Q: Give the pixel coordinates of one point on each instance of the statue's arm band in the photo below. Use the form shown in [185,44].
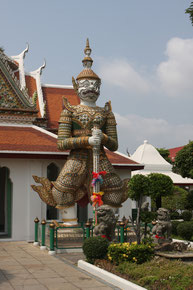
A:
[110,138]
[65,140]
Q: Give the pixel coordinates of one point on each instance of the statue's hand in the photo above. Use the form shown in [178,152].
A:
[94,140]
[97,132]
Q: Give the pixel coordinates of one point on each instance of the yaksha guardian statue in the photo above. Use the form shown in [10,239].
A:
[75,132]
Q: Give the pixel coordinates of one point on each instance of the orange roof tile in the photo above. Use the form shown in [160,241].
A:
[118,158]
[173,152]
[54,103]
[31,85]
[26,139]
[30,139]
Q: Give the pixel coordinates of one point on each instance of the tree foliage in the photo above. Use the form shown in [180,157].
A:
[190,12]
[165,154]
[184,160]
[178,200]
[138,188]
[159,185]
[189,204]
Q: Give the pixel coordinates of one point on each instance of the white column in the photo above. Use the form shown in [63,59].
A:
[69,216]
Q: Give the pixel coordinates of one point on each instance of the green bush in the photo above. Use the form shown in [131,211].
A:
[174,215]
[133,252]
[174,227]
[185,230]
[187,215]
[95,248]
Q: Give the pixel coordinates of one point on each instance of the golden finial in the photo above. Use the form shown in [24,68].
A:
[87,72]
[87,49]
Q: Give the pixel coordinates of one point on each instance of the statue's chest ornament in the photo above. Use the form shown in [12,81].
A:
[90,118]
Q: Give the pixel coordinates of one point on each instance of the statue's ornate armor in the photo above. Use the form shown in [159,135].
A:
[74,181]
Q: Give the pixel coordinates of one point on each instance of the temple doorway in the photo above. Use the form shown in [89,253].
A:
[52,174]
[6,203]
[82,214]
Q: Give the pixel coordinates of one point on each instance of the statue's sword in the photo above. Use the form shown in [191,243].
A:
[96,154]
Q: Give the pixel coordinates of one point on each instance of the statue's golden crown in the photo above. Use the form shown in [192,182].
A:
[87,72]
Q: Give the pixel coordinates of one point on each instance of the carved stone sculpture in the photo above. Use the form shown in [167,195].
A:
[163,227]
[106,222]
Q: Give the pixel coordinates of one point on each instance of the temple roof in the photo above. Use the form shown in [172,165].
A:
[54,102]
[174,151]
[29,139]
[12,98]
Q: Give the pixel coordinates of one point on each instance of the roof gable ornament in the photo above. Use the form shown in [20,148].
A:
[20,59]
[36,74]
[9,79]
[14,102]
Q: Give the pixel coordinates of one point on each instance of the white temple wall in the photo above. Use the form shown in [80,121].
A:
[126,209]
[26,204]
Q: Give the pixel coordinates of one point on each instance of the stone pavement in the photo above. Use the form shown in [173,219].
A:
[24,266]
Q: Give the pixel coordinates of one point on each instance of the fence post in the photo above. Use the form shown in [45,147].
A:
[43,223]
[87,225]
[51,251]
[122,231]
[36,242]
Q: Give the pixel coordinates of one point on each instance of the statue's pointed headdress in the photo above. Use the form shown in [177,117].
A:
[87,72]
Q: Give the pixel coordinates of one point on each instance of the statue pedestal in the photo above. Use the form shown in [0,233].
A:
[69,216]
[161,241]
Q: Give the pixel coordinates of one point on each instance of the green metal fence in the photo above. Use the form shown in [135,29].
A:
[56,236]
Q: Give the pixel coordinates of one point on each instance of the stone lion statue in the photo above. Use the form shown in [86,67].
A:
[163,227]
[106,222]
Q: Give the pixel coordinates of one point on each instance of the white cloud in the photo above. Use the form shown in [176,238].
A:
[175,74]
[173,77]
[134,129]
[122,74]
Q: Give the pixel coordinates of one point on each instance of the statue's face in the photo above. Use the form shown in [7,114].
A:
[89,90]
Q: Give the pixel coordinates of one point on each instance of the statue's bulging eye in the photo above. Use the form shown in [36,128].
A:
[85,84]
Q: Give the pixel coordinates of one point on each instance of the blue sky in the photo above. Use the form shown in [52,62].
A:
[142,50]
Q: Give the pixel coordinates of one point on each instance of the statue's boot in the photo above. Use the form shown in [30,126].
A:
[58,196]
[114,197]
[45,195]
[125,190]
[44,190]
[43,180]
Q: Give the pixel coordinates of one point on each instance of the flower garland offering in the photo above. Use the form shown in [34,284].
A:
[96,198]
[97,177]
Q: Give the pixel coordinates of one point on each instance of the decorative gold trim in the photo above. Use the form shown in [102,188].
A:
[69,220]
[74,84]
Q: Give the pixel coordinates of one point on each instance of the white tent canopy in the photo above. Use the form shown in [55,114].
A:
[153,162]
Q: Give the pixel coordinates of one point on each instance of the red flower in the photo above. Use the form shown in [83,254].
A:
[158,237]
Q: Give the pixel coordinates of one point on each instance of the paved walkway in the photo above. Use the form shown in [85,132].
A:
[24,266]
